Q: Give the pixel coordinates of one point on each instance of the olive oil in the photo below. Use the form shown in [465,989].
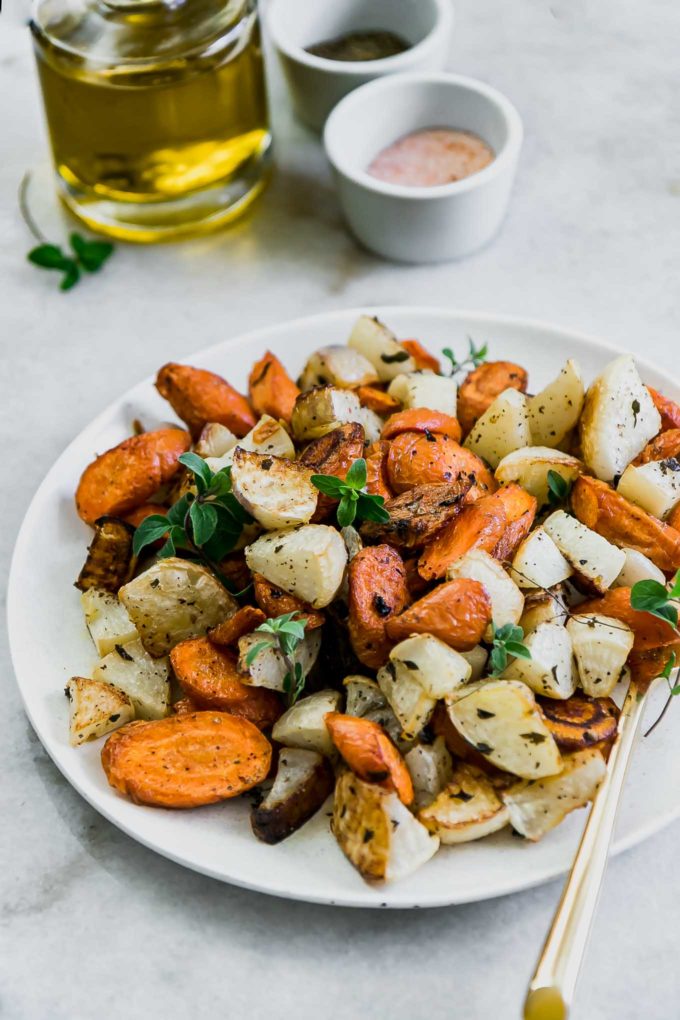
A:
[157,114]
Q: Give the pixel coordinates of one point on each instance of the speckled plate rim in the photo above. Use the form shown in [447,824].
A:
[338,883]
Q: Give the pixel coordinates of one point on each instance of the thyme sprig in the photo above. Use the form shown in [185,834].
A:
[476,356]
[283,633]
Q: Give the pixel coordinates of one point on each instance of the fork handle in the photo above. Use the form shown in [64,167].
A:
[552,987]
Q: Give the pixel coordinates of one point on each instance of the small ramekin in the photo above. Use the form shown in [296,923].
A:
[317,84]
[422,224]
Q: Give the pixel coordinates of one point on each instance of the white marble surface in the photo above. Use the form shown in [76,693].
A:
[95,925]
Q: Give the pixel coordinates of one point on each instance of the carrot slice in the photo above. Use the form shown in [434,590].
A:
[377,590]
[456,612]
[611,515]
[370,753]
[421,355]
[580,721]
[186,760]
[416,458]
[210,677]
[520,511]
[333,454]
[377,481]
[126,476]
[646,666]
[243,621]
[650,632]
[199,397]
[274,601]
[663,447]
[377,400]
[483,384]
[667,408]
[421,419]
[480,525]
[271,389]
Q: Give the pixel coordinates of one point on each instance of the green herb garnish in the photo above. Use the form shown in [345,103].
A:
[654,598]
[284,633]
[355,503]
[207,525]
[508,642]
[476,355]
[558,488]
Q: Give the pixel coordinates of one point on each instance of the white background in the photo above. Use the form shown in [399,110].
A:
[95,924]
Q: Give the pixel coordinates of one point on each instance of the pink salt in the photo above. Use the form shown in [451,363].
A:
[431,157]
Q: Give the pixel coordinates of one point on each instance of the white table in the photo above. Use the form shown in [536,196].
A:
[99,926]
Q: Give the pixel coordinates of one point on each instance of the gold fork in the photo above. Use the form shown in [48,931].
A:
[552,987]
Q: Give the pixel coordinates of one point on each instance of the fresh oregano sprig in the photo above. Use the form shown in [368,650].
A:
[206,525]
[86,255]
[656,599]
[507,643]
[476,356]
[284,633]
[559,488]
[354,502]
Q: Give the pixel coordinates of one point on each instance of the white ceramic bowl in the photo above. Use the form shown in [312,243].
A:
[317,84]
[425,224]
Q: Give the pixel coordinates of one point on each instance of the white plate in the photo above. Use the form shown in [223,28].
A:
[49,643]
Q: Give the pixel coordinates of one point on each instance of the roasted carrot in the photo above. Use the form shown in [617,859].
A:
[210,677]
[186,760]
[457,612]
[480,525]
[650,632]
[662,447]
[421,355]
[482,385]
[140,513]
[420,419]
[377,482]
[667,408]
[646,666]
[274,601]
[199,397]
[520,511]
[611,515]
[370,753]
[377,400]
[416,458]
[417,515]
[184,706]
[243,621]
[333,454]
[126,476]
[580,721]
[271,389]
[377,590]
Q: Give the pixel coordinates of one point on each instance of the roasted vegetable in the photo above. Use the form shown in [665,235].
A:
[429,458]
[377,480]
[601,647]
[502,428]
[530,467]
[619,521]
[199,397]
[173,600]
[186,760]
[129,474]
[501,720]
[668,410]
[333,454]
[618,420]
[467,808]
[304,779]
[482,385]
[544,607]
[95,709]
[420,671]
[365,700]
[241,622]
[664,446]
[146,681]
[507,601]
[110,560]
[304,724]
[323,409]
[274,601]
[377,833]
[555,411]
[536,808]
[270,388]
[431,769]
[107,620]
[417,515]
[520,511]
[277,492]
[337,365]
[654,486]
[370,753]
[425,389]
[538,563]
[456,612]
[591,556]
[377,593]
[428,421]
[380,346]
[649,631]
[421,355]
[550,670]
[269,668]
[307,562]
[580,721]
[211,678]
[377,400]
[638,567]
[215,440]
